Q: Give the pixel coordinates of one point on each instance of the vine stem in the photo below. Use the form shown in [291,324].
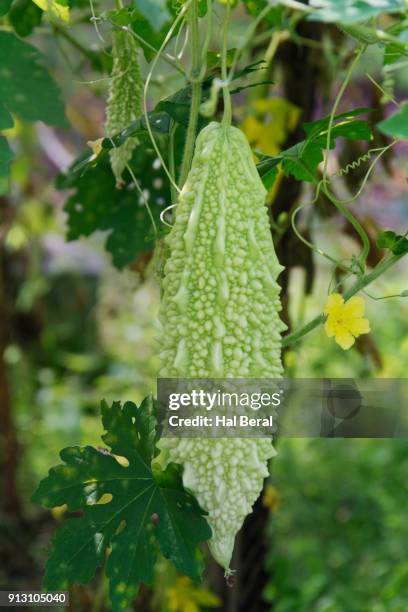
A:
[144,42]
[353,221]
[227,117]
[344,211]
[384,93]
[172,163]
[146,88]
[196,87]
[246,38]
[276,39]
[362,282]
[94,19]
[309,244]
[336,105]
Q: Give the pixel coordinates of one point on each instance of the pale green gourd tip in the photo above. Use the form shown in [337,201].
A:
[220,318]
[125,98]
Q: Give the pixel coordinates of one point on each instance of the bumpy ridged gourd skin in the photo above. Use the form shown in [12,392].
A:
[125,97]
[220,318]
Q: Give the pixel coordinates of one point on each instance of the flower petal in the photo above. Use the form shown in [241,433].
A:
[358,326]
[344,338]
[331,326]
[354,307]
[334,303]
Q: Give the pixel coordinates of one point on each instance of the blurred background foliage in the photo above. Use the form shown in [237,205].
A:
[337,536]
[74,329]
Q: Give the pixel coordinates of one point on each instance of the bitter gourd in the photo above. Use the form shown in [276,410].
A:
[125,97]
[219,314]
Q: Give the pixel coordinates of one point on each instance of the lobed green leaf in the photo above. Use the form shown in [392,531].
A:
[128,509]
[97,204]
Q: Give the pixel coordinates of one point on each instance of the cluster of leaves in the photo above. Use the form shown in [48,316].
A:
[96,204]
[302,160]
[128,505]
[175,109]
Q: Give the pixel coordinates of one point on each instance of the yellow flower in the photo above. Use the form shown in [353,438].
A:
[345,320]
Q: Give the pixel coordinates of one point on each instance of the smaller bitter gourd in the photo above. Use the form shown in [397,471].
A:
[220,318]
[125,97]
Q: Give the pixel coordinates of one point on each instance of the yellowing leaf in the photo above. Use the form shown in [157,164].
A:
[59,512]
[15,131]
[54,8]
[267,127]
[269,123]
[183,596]
[271,498]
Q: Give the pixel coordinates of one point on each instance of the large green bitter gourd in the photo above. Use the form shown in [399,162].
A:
[220,319]
[125,97]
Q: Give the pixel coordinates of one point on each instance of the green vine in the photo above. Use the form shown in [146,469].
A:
[175,24]
[195,78]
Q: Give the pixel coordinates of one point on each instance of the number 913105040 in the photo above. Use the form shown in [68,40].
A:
[33,598]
